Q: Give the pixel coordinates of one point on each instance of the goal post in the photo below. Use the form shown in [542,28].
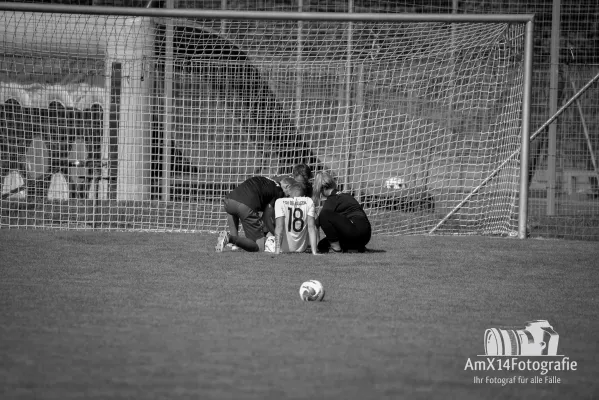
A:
[187,107]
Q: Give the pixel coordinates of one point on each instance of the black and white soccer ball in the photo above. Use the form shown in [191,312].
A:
[311,290]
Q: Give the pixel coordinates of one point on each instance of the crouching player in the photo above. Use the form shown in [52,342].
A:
[295,222]
[251,203]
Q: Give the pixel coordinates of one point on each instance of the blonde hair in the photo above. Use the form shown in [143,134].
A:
[323,181]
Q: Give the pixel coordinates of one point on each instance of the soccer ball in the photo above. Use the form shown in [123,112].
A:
[312,291]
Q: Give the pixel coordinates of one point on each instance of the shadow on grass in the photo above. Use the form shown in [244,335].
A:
[375,251]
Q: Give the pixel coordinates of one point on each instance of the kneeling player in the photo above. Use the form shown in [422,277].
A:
[250,203]
[295,222]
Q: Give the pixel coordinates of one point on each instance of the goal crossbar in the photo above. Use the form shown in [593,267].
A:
[259,15]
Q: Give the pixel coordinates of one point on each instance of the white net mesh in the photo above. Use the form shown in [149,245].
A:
[146,123]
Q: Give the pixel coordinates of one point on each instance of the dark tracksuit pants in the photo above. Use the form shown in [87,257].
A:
[351,233]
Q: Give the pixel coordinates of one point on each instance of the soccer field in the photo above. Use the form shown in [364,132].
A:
[115,315]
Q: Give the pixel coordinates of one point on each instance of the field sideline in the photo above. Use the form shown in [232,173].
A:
[115,315]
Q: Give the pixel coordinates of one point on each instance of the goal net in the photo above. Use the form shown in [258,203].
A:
[147,122]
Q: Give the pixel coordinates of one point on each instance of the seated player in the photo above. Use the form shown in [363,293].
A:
[250,203]
[295,223]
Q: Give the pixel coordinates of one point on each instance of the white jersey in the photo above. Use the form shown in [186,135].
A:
[296,211]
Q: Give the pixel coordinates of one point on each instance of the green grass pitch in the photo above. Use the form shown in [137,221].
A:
[119,315]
